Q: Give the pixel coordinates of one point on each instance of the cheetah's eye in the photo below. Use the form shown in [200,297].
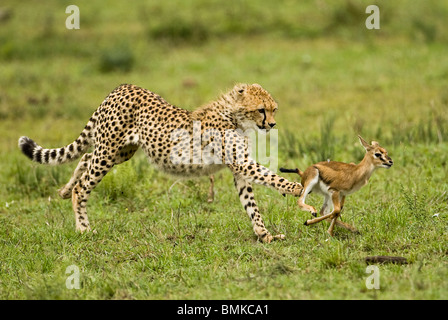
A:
[261,110]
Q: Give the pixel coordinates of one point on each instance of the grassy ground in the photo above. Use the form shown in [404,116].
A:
[160,239]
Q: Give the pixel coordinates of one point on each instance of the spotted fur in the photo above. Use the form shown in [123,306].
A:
[131,117]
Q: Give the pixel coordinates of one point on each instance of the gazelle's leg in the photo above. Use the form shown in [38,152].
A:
[346,226]
[343,224]
[325,206]
[308,186]
[319,219]
[332,224]
[336,198]
[211,191]
[335,219]
[342,202]
[331,215]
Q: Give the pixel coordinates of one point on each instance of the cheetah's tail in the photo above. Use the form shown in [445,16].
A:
[59,155]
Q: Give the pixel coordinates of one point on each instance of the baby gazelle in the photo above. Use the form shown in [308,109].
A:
[335,180]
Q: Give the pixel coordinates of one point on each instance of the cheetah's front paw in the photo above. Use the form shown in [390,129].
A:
[279,237]
[298,190]
[269,238]
[64,193]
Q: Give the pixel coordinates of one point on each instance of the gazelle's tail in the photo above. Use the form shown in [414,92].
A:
[300,173]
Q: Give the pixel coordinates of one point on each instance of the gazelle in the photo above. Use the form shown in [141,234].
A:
[335,180]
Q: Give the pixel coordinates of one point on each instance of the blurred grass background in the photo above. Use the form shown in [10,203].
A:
[333,79]
[316,57]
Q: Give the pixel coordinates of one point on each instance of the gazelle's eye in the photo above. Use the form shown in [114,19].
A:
[378,155]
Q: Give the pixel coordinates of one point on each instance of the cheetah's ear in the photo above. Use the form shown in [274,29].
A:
[240,88]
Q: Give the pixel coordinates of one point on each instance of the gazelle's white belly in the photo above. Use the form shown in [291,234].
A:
[322,188]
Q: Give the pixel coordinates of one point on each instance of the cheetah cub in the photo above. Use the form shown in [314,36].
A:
[335,180]
[177,141]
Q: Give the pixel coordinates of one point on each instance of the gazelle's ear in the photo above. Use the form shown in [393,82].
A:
[375,144]
[364,143]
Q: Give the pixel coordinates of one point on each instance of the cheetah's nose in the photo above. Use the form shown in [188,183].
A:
[272,124]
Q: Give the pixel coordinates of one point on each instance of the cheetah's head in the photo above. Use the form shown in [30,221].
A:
[255,108]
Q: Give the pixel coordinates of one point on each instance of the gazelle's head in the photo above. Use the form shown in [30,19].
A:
[376,154]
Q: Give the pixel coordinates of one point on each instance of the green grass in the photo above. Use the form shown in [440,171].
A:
[158,238]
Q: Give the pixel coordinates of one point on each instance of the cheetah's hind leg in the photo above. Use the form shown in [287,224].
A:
[66,191]
[124,155]
[97,167]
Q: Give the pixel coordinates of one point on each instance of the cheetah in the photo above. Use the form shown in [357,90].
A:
[131,117]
